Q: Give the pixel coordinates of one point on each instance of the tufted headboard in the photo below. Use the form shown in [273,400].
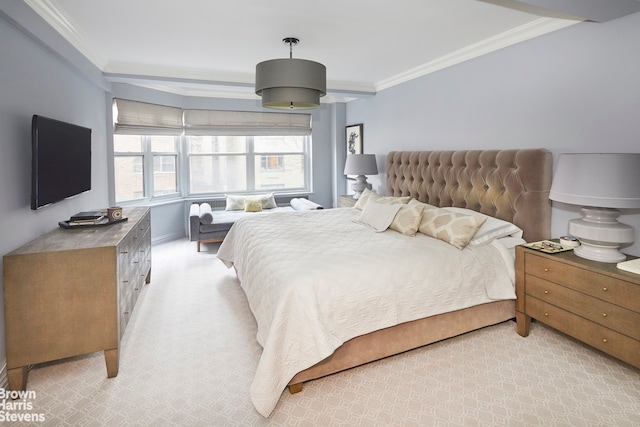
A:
[512,185]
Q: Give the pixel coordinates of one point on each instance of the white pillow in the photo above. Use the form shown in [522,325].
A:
[206,217]
[368,195]
[378,216]
[234,202]
[493,228]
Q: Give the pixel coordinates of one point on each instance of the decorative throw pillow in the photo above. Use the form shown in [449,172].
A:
[407,220]
[206,217]
[454,228]
[493,228]
[252,206]
[372,195]
[268,200]
[234,202]
[364,197]
[378,216]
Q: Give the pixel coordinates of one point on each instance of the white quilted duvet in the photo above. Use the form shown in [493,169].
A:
[315,279]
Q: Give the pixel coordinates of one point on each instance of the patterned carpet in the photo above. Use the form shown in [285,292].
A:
[189,354]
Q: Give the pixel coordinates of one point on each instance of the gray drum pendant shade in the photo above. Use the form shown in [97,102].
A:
[291,84]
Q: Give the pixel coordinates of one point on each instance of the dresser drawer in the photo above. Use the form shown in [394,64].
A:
[604,287]
[604,339]
[606,314]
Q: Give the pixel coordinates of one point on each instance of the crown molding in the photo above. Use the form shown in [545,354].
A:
[50,12]
[516,35]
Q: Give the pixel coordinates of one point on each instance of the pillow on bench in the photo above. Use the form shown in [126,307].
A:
[206,216]
[238,202]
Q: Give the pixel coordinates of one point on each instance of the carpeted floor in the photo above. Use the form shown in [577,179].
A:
[189,354]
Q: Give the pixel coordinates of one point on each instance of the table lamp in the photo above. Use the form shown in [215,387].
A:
[360,165]
[602,183]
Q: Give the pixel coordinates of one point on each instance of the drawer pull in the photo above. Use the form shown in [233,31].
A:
[546,270]
[546,314]
[604,340]
[546,292]
[604,289]
[604,314]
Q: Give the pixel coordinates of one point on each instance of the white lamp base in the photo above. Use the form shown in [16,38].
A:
[359,186]
[599,253]
[600,234]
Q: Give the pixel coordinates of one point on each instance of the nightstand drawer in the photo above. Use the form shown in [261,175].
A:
[609,315]
[611,342]
[604,287]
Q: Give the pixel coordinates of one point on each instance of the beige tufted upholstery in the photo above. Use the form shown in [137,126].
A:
[508,184]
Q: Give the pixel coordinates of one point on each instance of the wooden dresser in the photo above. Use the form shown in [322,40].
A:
[594,302]
[71,292]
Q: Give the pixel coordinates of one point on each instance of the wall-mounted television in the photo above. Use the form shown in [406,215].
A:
[60,161]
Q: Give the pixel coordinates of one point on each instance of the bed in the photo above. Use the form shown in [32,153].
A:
[298,269]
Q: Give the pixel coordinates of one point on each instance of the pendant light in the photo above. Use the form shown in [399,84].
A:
[291,84]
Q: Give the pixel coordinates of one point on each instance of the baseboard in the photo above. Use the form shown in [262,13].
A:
[167,238]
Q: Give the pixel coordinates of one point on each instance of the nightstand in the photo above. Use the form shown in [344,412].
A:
[346,201]
[594,302]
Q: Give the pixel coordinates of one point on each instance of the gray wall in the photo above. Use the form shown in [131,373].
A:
[34,80]
[575,90]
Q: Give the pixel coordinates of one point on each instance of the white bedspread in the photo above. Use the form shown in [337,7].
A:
[315,279]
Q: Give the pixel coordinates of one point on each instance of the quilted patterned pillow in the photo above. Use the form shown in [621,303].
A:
[407,220]
[454,228]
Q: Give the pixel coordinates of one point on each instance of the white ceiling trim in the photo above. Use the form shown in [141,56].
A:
[516,35]
[50,12]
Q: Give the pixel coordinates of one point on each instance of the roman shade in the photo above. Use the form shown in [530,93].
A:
[245,123]
[141,118]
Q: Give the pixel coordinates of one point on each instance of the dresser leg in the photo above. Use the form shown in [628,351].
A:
[523,323]
[111,357]
[17,378]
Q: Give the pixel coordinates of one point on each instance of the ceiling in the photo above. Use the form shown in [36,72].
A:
[210,48]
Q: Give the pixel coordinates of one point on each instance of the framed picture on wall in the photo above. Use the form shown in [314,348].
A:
[354,139]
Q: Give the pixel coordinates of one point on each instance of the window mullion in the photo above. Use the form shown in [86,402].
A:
[251,169]
[148,170]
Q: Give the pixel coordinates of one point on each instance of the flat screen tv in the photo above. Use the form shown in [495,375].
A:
[61,161]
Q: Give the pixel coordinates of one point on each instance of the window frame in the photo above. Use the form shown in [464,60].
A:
[250,159]
[148,172]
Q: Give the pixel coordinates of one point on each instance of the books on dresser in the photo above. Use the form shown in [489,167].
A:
[632,266]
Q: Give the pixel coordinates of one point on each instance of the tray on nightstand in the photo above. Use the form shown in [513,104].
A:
[547,246]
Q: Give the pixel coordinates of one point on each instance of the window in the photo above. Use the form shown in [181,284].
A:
[135,154]
[162,151]
[221,164]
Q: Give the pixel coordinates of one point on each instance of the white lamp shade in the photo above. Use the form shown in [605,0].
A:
[602,184]
[602,180]
[361,164]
